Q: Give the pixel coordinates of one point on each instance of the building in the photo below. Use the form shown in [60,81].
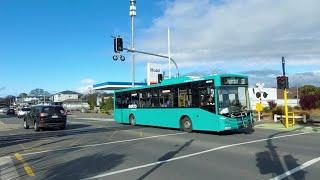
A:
[65,95]
[75,105]
[31,100]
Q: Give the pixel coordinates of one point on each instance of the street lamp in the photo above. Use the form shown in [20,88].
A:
[132,13]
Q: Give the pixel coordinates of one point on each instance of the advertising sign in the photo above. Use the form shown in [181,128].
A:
[152,73]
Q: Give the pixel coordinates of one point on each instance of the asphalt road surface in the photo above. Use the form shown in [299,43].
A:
[98,148]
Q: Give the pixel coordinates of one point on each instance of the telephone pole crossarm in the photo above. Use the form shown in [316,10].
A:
[153,54]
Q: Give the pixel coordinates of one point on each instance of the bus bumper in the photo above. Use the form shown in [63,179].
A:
[239,123]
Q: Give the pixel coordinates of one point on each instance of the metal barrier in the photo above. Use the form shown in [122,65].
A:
[293,117]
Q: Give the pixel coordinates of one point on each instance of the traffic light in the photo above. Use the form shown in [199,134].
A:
[118,44]
[160,78]
[282,82]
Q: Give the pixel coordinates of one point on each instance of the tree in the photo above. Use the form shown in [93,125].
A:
[308,90]
[92,100]
[39,92]
[309,97]
[107,104]
[309,101]
[8,100]
[23,95]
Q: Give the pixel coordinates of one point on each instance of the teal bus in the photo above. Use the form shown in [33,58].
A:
[208,103]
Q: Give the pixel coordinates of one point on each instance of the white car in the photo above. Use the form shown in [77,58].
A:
[4,110]
[22,112]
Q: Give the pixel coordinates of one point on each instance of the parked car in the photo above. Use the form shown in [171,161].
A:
[4,110]
[45,116]
[10,112]
[22,112]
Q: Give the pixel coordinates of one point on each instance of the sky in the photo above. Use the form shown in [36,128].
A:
[66,44]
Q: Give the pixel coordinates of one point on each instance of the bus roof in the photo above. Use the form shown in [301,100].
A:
[184,79]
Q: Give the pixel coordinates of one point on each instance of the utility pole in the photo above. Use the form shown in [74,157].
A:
[169,52]
[297,94]
[132,14]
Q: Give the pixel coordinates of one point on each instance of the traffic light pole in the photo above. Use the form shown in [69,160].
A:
[132,13]
[153,54]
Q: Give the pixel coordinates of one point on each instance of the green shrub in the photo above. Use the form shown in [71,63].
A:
[266,110]
[280,110]
[272,104]
[297,108]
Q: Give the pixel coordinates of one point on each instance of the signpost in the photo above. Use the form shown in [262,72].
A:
[283,83]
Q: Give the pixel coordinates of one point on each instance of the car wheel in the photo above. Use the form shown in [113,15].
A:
[132,120]
[186,124]
[36,126]
[25,124]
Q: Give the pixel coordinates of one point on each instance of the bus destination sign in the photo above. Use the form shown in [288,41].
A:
[234,81]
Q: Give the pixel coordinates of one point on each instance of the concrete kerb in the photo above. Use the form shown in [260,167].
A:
[298,127]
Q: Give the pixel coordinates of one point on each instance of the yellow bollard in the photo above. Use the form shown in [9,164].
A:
[286,107]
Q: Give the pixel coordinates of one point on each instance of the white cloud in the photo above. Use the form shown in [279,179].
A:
[86,86]
[87,81]
[243,32]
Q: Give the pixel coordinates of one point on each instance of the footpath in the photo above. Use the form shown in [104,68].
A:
[310,127]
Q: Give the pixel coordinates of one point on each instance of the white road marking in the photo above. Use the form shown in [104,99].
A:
[294,170]
[189,155]
[101,144]
[97,119]
[7,169]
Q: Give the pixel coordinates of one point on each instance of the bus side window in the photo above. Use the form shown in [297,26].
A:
[185,95]
[206,99]
[154,98]
[142,99]
[125,100]
[134,98]
[149,99]
[118,100]
[166,97]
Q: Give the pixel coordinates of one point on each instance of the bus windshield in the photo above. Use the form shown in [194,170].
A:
[233,100]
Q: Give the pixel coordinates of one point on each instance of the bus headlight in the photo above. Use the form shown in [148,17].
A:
[224,111]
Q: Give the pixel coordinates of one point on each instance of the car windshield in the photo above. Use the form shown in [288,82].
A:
[233,100]
[25,109]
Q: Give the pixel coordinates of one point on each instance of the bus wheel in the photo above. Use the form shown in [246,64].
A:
[132,120]
[186,124]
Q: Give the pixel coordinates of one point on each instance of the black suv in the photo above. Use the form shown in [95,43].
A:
[44,116]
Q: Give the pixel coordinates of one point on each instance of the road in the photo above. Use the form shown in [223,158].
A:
[98,148]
